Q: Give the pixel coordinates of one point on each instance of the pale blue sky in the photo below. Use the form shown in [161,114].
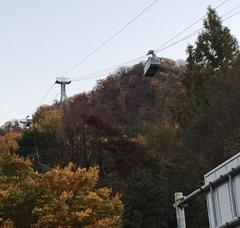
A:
[41,39]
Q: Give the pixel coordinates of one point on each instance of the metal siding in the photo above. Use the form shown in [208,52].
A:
[224,204]
[237,193]
[210,214]
[222,195]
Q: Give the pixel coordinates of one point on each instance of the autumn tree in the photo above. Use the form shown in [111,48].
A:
[10,126]
[69,199]
[18,190]
[129,100]
[84,139]
[44,140]
[93,141]
[174,166]
[9,142]
[65,197]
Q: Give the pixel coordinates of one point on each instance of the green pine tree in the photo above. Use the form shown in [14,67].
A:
[214,53]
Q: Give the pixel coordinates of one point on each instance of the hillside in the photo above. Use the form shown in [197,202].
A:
[129,100]
[129,144]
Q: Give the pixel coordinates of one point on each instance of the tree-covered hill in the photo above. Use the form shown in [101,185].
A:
[149,138]
[131,101]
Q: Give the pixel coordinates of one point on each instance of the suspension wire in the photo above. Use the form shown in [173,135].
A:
[198,30]
[85,77]
[56,95]
[110,38]
[162,47]
[112,68]
[179,41]
[43,98]
[191,25]
[231,10]
[233,15]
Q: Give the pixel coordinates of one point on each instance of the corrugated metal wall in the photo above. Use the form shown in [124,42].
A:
[223,202]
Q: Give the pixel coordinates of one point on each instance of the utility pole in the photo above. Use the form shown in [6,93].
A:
[63,82]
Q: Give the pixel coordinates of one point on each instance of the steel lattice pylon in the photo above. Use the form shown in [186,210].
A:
[63,82]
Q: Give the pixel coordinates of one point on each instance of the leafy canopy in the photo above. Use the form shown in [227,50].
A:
[61,197]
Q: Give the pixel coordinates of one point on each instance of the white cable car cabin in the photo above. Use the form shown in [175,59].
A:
[26,122]
[152,65]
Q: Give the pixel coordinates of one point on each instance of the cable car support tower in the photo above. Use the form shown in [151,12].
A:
[62,81]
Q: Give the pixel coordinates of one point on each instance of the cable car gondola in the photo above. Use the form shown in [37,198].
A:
[26,122]
[152,65]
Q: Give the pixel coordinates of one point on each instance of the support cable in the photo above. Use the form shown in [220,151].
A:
[231,10]
[191,25]
[161,48]
[43,98]
[86,77]
[109,69]
[110,38]
[233,15]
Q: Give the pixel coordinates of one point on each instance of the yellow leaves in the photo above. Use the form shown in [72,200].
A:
[93,198]
[8,142]
[18,184]
[69,196]
[61,197]
[70,178]
[112,222]
[64,196]
[83,216]
[4,194]
[14,168]
[51,121]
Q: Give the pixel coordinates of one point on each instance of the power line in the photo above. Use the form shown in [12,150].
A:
[110,38]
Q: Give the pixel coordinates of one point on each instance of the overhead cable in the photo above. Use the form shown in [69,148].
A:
[231,10]
[233,15]
[161,48]
[44,97]
[191,25]
[112,68]
[110,38]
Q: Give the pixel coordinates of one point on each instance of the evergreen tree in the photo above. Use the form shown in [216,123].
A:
[215,46]
[215,52]
[147,202]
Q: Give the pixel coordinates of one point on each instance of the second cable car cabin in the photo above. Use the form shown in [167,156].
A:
[152,65]
[26,122]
